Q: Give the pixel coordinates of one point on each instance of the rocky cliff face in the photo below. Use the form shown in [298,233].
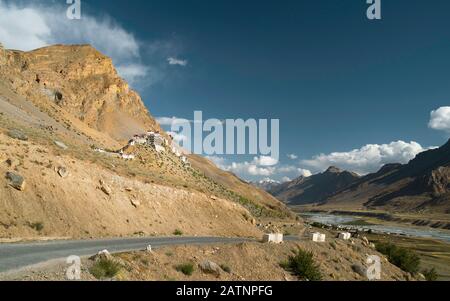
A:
[438,181]
[80,80]
[66,99]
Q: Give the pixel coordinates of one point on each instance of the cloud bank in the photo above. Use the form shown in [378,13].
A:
[368,158]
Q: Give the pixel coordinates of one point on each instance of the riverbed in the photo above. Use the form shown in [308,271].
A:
[342,220]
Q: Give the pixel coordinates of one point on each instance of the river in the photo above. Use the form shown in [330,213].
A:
[342,220]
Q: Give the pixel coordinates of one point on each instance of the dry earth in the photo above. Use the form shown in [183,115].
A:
[246,261]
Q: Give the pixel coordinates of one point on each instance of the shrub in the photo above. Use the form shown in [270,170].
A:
[431,274]
[187,269]
[105,269]
[403,258]
[39,226]
[178,232]
[303,266]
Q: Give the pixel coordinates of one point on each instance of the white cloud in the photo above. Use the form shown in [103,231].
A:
[245,168]
[172,121]
[260,167]
[304,172]
[367,159]
[23,29]
[132,72]
[31,26]
[285,179]
[292,156]
[177,62]
[440,119]
[219,161]
[265,161]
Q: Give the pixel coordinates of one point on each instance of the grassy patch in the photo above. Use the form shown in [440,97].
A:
[431,274]
[302,265]
[186,268]
[105,269]
[404,258]
[39,226]
[178,232]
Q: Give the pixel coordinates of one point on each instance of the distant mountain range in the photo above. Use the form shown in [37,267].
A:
[421,185]
[267,184]
[316,188]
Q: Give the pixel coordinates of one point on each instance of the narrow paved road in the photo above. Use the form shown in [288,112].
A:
[21,255]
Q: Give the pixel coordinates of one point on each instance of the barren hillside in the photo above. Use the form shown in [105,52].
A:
[59,103]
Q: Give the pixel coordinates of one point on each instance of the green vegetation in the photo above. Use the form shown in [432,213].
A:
[178,232]
[186,268]
[431,274]
[39,226]
[404,258]
[105,269]
[432,253]
[317,225]
[302,265]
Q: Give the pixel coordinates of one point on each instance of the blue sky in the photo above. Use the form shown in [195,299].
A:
[342,86]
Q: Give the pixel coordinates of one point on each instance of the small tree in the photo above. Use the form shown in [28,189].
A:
[302,265]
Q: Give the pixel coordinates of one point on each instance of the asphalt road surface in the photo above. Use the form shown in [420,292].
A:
[16,256]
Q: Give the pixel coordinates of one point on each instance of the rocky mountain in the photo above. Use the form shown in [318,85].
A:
[316,188]
[83,82]
[59,105]
[266,184]
[421,185]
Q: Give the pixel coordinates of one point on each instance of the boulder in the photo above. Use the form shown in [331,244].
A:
[13,163]
[16,181]
[365,241]
[105,188]
[210,267]
[63,172]
[135,203]
[102,255]
[359,269]
[61,145]
[421,277]
[17,134]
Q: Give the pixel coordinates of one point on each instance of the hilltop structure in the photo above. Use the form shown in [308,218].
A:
[153,140]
